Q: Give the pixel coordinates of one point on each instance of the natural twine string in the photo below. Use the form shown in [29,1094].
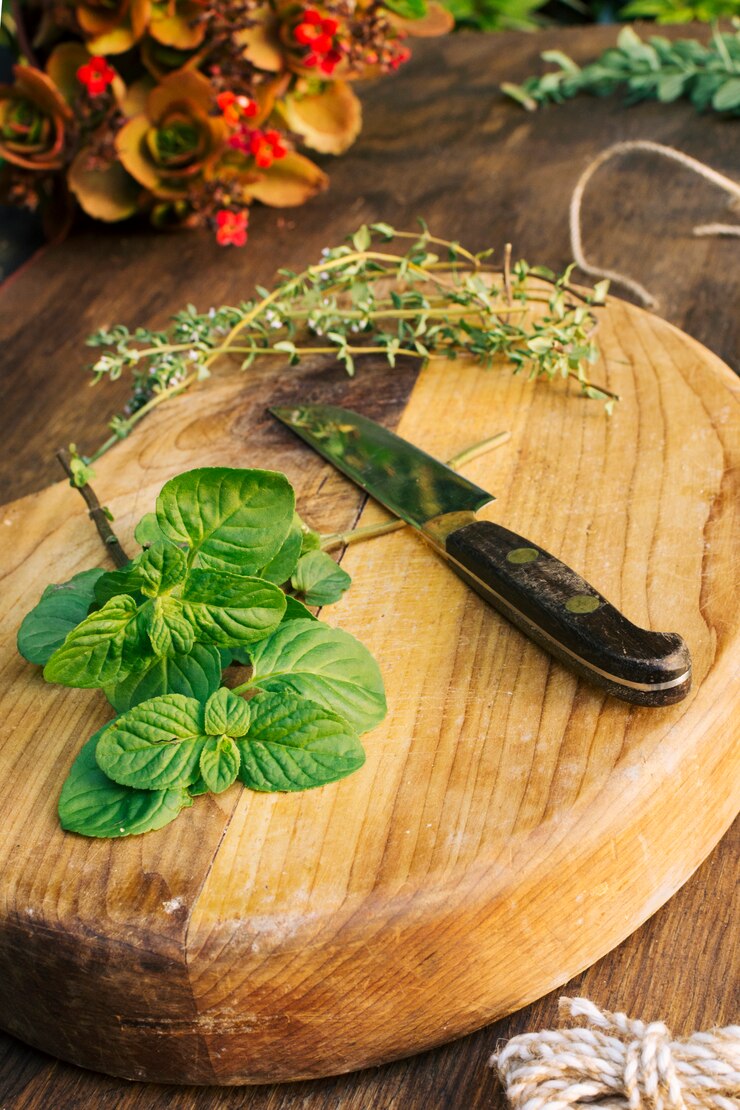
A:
[576,241]
[620,1063]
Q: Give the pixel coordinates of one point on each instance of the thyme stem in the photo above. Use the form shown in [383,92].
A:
[425,237]
[478,449]
[586,384]
[127,425]
[365,301]
[312,271]
[507,273]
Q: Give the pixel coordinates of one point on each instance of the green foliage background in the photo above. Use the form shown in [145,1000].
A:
[528,15]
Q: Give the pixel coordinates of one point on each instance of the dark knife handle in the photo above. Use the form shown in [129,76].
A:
[558,609]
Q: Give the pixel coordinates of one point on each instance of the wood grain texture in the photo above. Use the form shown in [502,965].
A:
[478,167]
[511,823]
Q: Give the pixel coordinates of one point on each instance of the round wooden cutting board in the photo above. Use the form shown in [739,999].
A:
[511,824]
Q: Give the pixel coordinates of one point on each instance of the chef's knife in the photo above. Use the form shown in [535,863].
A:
[543,597]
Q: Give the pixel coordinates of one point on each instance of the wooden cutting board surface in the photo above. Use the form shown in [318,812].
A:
[511,824]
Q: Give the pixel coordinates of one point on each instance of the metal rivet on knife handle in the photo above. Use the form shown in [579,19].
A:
[582,603]
[522,555]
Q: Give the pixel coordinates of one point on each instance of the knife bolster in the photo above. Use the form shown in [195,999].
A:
[440,527]
[567,617]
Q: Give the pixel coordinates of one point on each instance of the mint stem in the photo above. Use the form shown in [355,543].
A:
[96,512]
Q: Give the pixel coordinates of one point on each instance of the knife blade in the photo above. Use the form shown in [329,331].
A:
[552,604]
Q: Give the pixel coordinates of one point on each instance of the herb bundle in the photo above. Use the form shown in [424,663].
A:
[155,636]
[708,76]
[435,299]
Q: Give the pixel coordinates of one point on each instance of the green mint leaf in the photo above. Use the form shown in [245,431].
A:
[226,609]
[279,569]
[197,675]
[239,656]
[101,650]
[200,786]
[311,541]
[295,610]
[60,609]
[92,805]
[294,744]
[155,745]
[319,578]
[232,520]
[161,567]
[226,712]
[113,583]
[325,665]
[147,531]
[155,571]
[166,625]
[219,763]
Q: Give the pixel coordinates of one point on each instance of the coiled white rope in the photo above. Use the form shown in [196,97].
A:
[620,1063]
[576,240]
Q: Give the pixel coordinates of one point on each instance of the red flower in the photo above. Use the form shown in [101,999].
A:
[231,227]
[265,147]
[399,56]
[236,108]
[96,75]
[318,34]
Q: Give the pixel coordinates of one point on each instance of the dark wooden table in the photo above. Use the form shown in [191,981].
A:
[439,141]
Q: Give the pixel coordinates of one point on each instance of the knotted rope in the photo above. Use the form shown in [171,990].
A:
[693,164]
[620,1063]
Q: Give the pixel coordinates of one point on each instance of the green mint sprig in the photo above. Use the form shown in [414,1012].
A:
[156,635]
[656,69]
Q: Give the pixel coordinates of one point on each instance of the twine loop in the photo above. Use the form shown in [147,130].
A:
[620,1063]
[645,146]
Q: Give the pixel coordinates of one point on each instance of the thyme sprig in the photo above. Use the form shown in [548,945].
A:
[656,69]
[435,299]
